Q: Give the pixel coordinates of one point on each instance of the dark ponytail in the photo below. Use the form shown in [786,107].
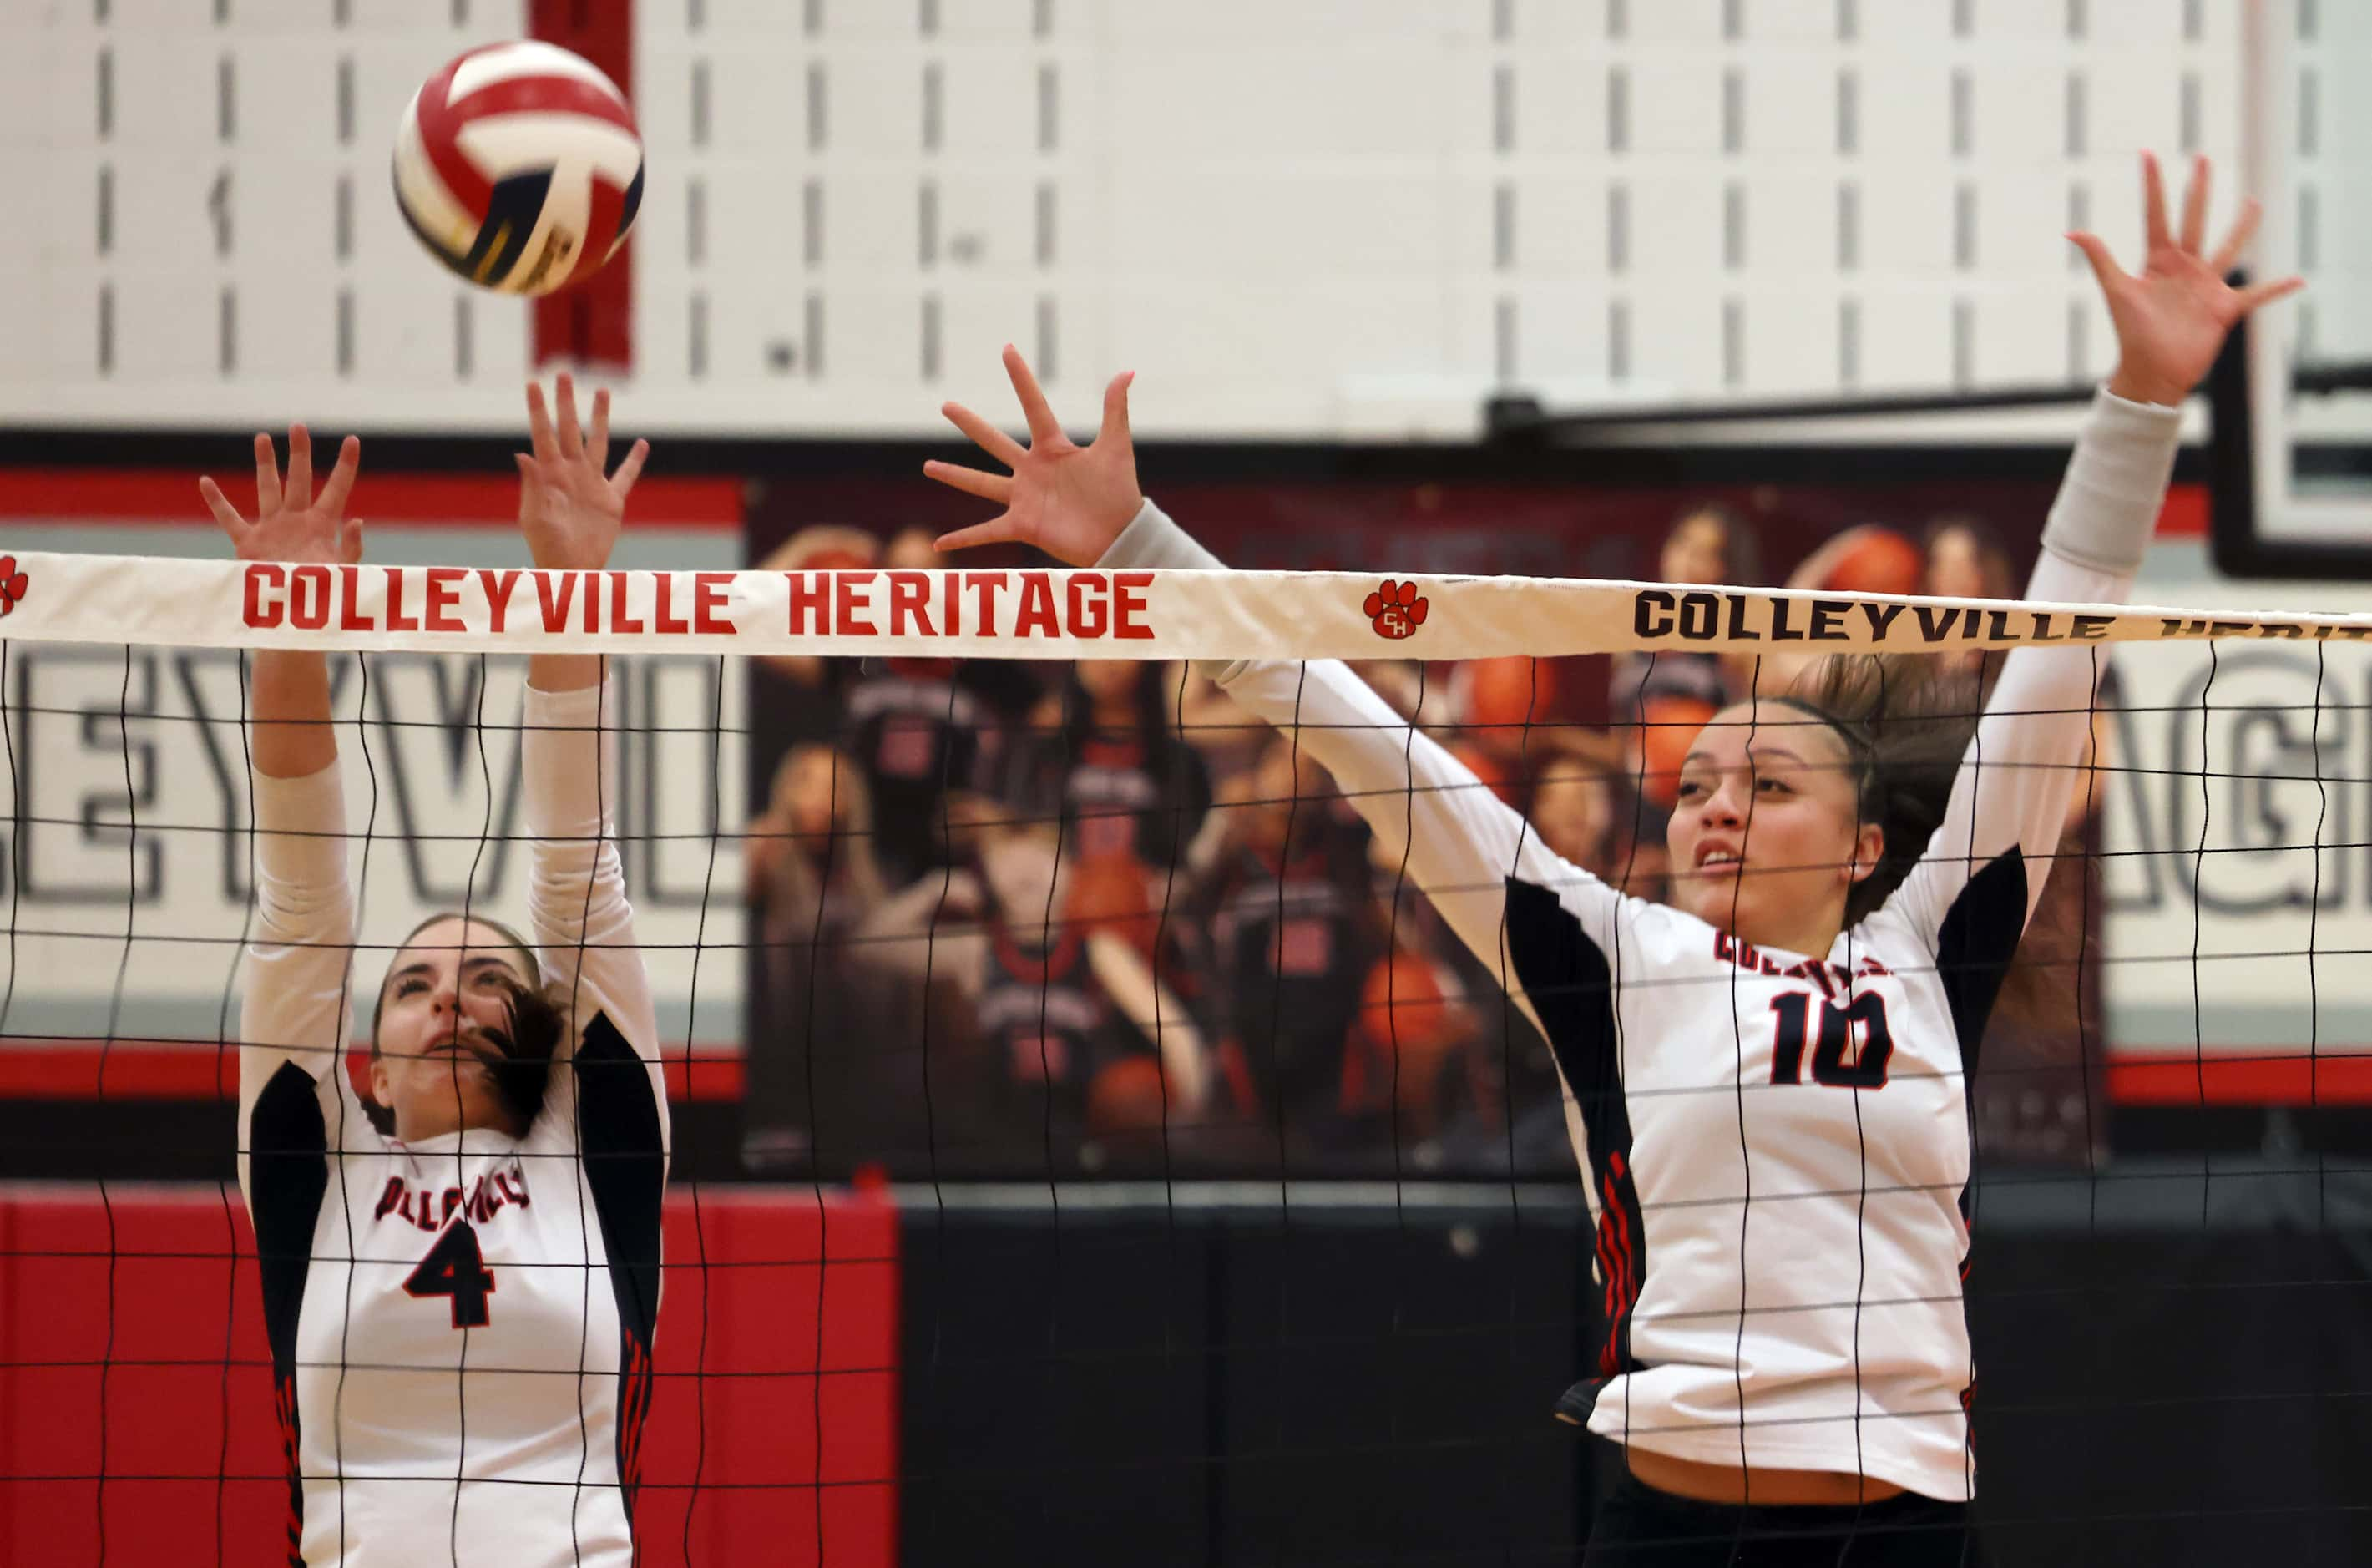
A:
[531,1037]
[1906,722]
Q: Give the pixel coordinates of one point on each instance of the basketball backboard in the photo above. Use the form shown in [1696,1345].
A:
[2293,402]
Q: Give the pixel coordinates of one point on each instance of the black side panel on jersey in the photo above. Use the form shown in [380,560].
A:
[1973,948]
[287,1175]
[618,1130]
[625,1167]
[1572,988]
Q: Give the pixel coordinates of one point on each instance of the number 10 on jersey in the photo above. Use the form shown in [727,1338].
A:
[1837,1025]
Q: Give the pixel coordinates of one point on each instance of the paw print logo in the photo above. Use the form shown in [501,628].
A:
[1397,609]
[13,583]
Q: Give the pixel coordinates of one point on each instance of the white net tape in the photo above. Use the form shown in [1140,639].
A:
[1044,614]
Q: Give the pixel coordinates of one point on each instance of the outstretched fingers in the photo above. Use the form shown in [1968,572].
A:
[572,435]
[298,492]
[2260,294]
[993,487]
[997,530]
[341,482]
[621,483]
[1115,425]
[596,446]
[2236,242]
[2104,264]
[984,436]
[267,477]
[2194,208]
[219,504]
[2154,206]
[539,437]
[350,541]
[1044,428]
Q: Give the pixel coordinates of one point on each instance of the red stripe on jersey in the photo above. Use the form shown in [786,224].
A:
[284,1410]
[634,1407]
[1620,1199]
[1609,1225]
[1608,1270]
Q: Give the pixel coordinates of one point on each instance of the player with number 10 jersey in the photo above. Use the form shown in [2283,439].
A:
[1765,1079]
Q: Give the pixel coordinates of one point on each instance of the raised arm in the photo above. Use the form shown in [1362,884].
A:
[295,1011]
[2013,787]
[571,510]
[2012,792]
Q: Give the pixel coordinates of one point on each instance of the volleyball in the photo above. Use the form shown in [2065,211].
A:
[519,167]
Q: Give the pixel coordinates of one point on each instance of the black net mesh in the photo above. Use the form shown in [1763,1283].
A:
[1084,1116]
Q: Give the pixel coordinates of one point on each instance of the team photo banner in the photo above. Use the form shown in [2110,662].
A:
[1026,613]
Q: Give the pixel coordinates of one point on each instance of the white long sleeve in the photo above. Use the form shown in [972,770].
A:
[583,925]
[2015,780]
[298,1004]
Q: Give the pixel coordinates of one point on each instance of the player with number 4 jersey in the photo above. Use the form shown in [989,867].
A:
[461,1272]
[1766,1078]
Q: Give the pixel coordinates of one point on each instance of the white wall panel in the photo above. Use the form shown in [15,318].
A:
[1292,217]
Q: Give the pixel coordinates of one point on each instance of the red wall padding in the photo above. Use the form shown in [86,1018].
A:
[131,1329]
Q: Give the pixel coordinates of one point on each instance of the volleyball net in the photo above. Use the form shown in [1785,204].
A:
[977,876]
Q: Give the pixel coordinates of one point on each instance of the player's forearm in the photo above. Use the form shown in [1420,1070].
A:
[2108,502]
[577,888]
[302,941]
[289,700]
[564,672]
[2014,784]
[2099,530]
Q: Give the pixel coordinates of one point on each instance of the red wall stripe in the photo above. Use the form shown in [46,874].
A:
[84,1069]
[592,321]
[101,496]
[2186,513]
[2285,1077]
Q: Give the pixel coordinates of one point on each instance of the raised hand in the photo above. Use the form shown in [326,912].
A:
[2171,317]
[293,525]
[1068,500]
[570,506]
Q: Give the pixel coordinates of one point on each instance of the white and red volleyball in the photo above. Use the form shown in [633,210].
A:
[519,167]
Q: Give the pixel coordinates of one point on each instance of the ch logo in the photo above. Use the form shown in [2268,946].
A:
[13,583]
[1397,609]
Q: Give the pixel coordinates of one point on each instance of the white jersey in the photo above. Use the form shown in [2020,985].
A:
[460,1328]
[1775,1144]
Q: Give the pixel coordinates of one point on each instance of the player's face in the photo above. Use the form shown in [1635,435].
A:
[444,1015]
[815,790]
[1697,550]
[1956,566]
[1765,838]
